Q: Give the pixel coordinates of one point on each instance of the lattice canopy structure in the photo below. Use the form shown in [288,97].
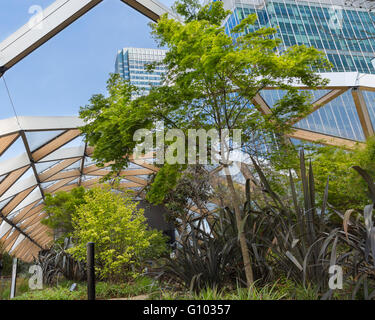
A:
[40,155]
[343,112]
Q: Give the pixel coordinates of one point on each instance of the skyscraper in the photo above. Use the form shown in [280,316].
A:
[346,36]
[131,65]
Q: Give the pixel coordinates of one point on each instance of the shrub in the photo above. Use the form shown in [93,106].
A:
[60,207]
[118,229]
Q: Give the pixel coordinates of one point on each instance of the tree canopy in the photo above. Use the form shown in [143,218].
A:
[211,81]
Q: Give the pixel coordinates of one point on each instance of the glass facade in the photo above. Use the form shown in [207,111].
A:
[344,34]
[131,65]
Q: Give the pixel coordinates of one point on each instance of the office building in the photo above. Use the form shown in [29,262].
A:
[131,64]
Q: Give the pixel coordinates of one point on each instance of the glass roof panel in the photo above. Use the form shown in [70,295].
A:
[19,186]
[43,166]
[272,96]
[4,203]
[75,165]
[14,150]
[4,228]
[337,118]
[36,139]
[33,196]
[369,97]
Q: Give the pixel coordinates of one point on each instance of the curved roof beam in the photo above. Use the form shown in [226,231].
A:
[56,18]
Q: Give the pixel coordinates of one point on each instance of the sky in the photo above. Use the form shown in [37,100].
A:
[61,76]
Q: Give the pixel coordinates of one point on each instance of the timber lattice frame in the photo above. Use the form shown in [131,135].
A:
[60,161]
[21,199]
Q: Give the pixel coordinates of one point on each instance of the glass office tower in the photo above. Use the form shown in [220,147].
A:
[345,34]
[131,65]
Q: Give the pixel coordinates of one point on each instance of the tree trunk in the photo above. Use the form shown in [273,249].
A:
[243,243]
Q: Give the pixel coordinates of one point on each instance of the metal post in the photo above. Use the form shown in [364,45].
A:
[14,279]
[90,271]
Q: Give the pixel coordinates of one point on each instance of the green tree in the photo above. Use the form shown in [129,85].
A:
[118,229]
[211,81]
[60,208]
[347,190]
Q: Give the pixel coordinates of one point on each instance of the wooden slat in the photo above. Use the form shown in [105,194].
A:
[6,142]
[94,167]
[55,144]
[90,182]
[8,243]
[47,235]
[29,213]
[57,168]
[261,104]
[145,165]
[140,181]
[20,247]
[3,238]
[56,186]
[16,201]
[129,185]
[44,236]
[37,229]
[11,179]
[324,139]
[331,95]
[69,187]
[63,175]
[27,247]
[363,113]
[32,220]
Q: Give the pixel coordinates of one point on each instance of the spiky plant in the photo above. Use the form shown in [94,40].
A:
[55,262]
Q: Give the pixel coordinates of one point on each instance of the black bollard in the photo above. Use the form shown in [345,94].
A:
[90,271]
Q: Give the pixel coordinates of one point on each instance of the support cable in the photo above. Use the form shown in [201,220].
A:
[11,101]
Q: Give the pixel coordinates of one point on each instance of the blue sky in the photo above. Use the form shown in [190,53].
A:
[61,76]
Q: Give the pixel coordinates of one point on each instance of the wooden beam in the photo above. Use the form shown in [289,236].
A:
[27,247]
[65,174]
[94,167]
[145,165]
[37,217]
[55,144]
[137,180]
[324,139]
[364,88]
[8,243]
[130,185]
[363,113]
[6,235]
[261,104]
[7,141]
[57,168]
[20,246]
[69,187]
[28,213]
[90,182]
[56,186]
[11,178]
[16,201]
[331,95]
